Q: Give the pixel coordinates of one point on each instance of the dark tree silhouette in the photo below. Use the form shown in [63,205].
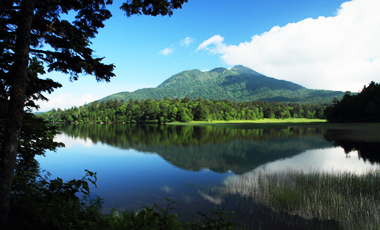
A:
[34,28]
[361,107]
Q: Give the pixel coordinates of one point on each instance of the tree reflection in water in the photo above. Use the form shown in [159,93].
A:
[242,151]
[197,147]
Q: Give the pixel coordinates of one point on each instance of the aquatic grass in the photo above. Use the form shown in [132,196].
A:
[352,200]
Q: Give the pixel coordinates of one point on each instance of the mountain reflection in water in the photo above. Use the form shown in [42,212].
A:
[139,164]
[194,147]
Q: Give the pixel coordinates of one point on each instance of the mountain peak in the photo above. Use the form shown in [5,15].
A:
[244,70]
[218,70]
[237,84]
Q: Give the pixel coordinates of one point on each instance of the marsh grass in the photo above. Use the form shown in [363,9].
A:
[350,199]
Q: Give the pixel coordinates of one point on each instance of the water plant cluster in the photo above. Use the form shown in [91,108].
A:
[351,200]
[184,110]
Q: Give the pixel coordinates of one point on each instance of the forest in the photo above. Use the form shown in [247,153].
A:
[184,110]
[361,107]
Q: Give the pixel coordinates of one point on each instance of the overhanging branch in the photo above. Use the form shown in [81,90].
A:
[9,7]
[42,51]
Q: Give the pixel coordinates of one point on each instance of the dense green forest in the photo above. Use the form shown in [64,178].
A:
[361,107]
[237,84]
[185,110]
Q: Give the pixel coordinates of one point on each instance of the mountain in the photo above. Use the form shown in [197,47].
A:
[237,84]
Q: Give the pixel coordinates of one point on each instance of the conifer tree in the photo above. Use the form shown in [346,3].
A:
[36,29]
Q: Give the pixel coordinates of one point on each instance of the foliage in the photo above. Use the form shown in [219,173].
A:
[157,218]
[36,135]
[223,220]
[69,42]
[151,7]
[54,204]
[185,110]
[361,107]
[147,218]
[33,34]
[237,84]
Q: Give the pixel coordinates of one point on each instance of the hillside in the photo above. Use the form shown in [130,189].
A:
[237,84]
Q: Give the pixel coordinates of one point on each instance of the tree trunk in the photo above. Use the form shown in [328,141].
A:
[16,107]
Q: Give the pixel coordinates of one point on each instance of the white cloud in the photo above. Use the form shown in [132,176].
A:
[217,41]
[187,41]
[65,101]
[167,51]
[338,53]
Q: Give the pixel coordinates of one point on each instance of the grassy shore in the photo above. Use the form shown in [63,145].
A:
[366,132]
[256,124]
[285,122]
[259,121]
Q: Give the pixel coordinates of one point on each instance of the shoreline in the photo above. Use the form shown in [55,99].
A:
[266,123]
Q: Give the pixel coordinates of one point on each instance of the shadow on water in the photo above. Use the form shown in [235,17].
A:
[351,140]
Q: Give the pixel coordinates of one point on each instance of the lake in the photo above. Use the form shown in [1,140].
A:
[138,165]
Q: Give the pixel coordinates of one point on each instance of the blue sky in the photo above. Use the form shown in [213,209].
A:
[325,44]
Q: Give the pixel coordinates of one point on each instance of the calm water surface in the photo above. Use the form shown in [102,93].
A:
[138,165]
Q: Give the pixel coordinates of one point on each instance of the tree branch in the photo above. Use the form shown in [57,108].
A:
[42,51]
[10,8]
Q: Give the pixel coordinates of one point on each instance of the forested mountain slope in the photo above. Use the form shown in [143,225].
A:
[237,84]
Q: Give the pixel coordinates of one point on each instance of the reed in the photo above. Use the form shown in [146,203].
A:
[352,200]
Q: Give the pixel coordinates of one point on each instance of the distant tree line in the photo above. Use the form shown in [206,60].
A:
[184,110]
[361,107]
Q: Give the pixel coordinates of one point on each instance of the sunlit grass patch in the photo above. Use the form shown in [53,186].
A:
[257,124]
[290,120]
[265,120]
